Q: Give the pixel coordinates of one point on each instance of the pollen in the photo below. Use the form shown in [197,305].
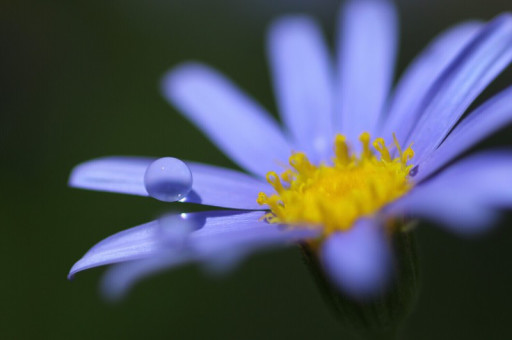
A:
[335,195]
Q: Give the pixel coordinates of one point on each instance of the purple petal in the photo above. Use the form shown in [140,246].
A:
[359,260]
[466,77]
[420,76]
[242,129]
[206,234]
[223,240]
[302,75]
[465,196]
[224,188]
[120,278]
[153,239]
[131,244]
[211,185]
[115,174]
[368,39]
[243,233]
[491,116]
[450,208]
[486,176]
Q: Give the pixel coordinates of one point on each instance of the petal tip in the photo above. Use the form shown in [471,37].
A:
[358,262]
[181,73]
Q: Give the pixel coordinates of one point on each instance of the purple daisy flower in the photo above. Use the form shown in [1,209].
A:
[342,192]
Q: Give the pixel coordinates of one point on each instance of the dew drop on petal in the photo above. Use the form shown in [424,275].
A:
[168,179]
[414,171]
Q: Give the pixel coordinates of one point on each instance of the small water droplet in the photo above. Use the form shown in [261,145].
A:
[414,171]
[168,179]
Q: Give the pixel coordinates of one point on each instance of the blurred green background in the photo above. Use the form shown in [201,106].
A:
[80,80]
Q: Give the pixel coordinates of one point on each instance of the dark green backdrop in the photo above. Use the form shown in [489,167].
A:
[80,80]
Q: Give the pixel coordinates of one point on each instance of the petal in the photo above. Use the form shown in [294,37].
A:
[242,129]
[131,244]
[451,209]
[359,260]
[367,48]
[200,236]
[465,196]
[302,75]
[223,240]
[485,176]
[466,77]
[491,116]
[120,278]
[243,233]
[115,174]
[211,185]
[222,187]
[421,74]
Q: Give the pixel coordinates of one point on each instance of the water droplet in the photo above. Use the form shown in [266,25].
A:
[414,171]
[168,179]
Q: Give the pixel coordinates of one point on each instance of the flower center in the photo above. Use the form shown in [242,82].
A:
[335,196]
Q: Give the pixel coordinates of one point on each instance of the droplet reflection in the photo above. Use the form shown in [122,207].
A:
[175,229]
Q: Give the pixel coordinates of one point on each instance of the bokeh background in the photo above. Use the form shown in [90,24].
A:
[80,79]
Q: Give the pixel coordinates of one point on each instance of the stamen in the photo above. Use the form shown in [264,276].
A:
[380,146]
[341,150]
[287,176]
[408,154]
[365,139]
[398,147]
[273,179]
[335,196]
[300,162]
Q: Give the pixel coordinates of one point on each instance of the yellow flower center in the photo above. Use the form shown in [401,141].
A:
[335,196]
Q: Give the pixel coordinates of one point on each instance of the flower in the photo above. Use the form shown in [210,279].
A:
[344,201]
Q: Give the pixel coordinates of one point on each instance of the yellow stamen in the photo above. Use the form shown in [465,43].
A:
[341,150]
[380,145]
[335,196]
